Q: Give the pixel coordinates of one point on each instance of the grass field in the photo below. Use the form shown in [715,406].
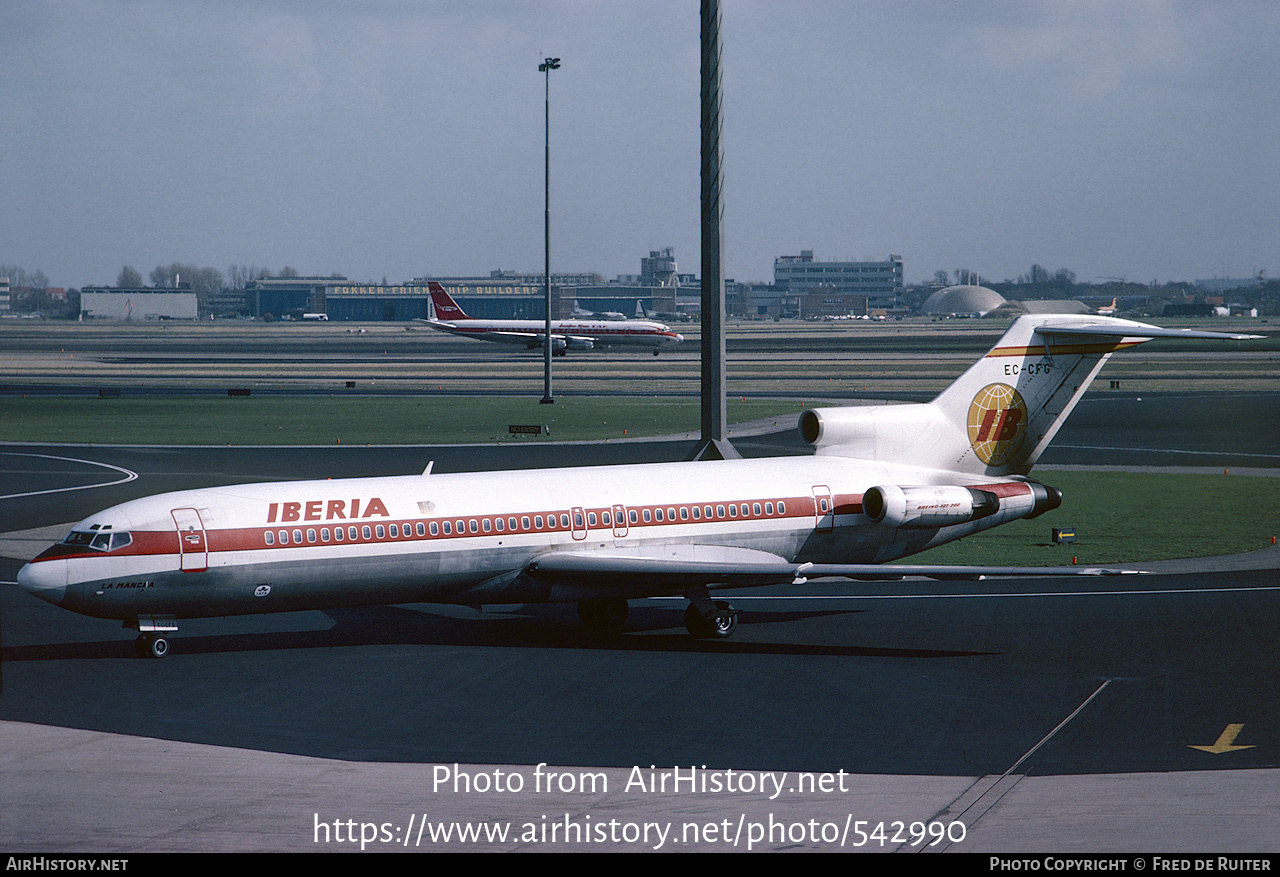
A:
[1128,517]
[327,420]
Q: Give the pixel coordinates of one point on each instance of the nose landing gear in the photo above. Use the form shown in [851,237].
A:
[151,641]
[151,645]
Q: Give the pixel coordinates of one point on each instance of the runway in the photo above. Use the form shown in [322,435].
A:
[1045,716]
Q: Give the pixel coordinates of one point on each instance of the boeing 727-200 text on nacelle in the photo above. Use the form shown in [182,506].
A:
[884,482]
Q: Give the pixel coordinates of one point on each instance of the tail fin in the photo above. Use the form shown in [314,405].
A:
[442,303]
[999,416]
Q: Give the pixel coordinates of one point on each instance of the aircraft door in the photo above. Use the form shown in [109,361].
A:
[578,518]
[192,542]
[620,525]
[823,512]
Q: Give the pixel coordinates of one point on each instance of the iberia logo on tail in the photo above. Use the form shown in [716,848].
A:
[997,421]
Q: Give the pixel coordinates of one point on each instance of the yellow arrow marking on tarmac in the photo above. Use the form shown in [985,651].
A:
[1225,741]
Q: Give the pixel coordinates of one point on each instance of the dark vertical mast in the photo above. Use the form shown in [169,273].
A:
[715,427]
[547,399]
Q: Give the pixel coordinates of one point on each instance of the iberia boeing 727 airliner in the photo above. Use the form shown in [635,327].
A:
[884,482]
[576,334]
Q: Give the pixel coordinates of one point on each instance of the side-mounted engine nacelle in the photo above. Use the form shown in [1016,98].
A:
[558,345]
[927,507]
[943,506]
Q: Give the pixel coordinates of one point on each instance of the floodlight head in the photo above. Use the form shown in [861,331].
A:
[549,64]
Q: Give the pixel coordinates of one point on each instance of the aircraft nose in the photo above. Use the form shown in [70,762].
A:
[46,579]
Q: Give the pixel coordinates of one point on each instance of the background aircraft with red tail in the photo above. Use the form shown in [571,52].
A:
[573,334]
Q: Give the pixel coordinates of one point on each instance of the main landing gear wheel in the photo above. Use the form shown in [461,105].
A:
[150,645]
[604,616]
[719,625]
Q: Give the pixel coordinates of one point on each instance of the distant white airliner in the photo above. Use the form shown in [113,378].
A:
[885,482]
[574,334]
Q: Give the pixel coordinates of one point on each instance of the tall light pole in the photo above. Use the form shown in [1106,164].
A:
[546,67]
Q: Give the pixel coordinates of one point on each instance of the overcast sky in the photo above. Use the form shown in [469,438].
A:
[394,138]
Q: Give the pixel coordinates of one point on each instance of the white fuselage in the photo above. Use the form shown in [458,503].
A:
[468,538]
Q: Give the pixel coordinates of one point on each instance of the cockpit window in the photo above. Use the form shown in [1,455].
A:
[105,540]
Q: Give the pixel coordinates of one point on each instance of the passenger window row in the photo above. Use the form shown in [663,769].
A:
[522,524]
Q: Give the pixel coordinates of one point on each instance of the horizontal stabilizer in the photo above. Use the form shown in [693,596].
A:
[1135,330]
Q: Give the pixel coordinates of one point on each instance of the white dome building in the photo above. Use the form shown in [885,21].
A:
[962,300]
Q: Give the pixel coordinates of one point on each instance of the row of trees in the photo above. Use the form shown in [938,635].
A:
[1063,279]
[162,277]
[20,279]
[200,279]
[30,292]
[206,283]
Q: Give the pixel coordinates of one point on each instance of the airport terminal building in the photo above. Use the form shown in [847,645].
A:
[801,287]
[505,295]
[880,283]
[502,295]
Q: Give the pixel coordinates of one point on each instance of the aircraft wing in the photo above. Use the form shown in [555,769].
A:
[510,337]
[491,335]
[753,568]
[438,324]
